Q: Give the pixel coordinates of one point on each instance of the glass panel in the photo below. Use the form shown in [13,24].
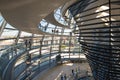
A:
[25,34]
[45,50]
[34,53]
[47,37]
[65,44]
[50,28]
[9,26]
[1,20]
[6,43]
[43,23]
[21,40]
[7,33]
[58,16]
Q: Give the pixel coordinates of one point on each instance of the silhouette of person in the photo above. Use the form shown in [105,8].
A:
[65,77]
[61,78]
[73,72]
[30,43]
[26,43]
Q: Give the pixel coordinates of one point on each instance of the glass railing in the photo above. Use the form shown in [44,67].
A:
[37,64]
[37,61]
[7,54]
[50,30]
[11,52]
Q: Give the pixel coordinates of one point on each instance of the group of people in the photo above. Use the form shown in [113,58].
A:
[28,43]
[55,31]
[74,74]
[75,71]
[63,77]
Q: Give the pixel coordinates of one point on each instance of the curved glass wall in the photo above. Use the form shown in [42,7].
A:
[58,16]
[31,58]
[25,54]
[53,29]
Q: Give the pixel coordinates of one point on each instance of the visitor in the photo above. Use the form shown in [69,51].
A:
[26,43]
[78,69]
[61,77]
[28,60]
[30,43]
[73,72]
[65,77]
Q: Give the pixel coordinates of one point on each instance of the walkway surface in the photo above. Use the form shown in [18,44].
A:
[55,72]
